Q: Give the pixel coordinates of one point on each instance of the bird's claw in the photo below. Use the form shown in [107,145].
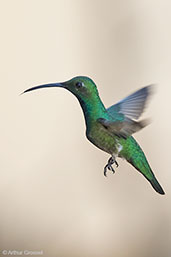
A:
[117,165]
[108,166]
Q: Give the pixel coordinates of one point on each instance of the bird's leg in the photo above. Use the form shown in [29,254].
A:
[117,165]
[108,166]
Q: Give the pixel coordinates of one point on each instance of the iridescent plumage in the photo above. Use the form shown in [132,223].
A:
[111,129]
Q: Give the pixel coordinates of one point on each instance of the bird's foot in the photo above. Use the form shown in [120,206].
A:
[108,166]
[117,165]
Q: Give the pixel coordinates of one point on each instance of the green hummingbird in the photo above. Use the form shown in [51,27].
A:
[111,129]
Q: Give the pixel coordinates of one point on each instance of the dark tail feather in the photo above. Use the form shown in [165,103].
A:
[155,184]
[148,175]
[135,156]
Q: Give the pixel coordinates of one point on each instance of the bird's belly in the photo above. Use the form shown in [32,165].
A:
[103,139]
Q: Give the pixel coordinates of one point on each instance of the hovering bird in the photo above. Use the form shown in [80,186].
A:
[111,129]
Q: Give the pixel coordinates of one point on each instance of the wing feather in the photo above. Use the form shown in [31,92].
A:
[123,128]
[133,105]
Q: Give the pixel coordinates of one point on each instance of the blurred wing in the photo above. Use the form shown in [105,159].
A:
[133,105]
[123,128]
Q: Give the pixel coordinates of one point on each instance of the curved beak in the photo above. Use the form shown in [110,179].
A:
[44,86]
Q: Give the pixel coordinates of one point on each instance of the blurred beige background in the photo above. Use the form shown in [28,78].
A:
[53,195]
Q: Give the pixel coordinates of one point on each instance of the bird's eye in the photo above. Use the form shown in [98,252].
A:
[79,84]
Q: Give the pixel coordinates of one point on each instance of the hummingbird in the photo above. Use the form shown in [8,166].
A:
[111,129]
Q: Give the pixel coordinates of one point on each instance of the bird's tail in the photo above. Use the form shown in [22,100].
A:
[155,184]
[149,175]
[137,158]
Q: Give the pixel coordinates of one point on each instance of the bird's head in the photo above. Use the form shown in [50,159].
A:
[82,87]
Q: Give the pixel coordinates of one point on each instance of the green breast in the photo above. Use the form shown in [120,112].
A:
[101,138]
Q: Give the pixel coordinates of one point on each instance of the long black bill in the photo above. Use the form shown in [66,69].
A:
[44,86]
